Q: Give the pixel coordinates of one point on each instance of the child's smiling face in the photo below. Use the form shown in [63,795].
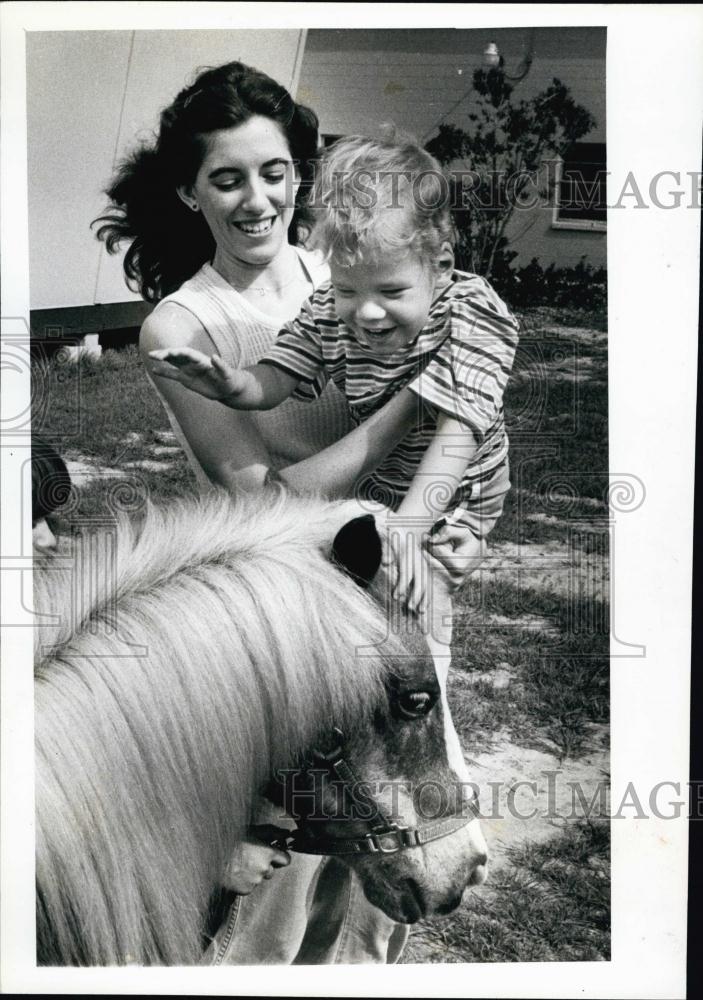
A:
[385,300]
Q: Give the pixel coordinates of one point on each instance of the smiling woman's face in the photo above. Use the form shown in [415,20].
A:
[245,188]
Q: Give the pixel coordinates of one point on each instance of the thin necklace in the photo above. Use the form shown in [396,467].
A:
[298,278]
[263,289]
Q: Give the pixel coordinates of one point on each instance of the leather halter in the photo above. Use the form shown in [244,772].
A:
[385,836]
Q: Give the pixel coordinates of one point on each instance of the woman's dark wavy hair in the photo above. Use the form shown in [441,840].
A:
[168,242]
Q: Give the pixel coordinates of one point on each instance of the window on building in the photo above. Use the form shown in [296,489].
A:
[580,192]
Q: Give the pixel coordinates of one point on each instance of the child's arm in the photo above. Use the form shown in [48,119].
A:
[260,387]
[436,480]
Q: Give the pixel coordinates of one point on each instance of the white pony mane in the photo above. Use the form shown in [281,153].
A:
[191,658]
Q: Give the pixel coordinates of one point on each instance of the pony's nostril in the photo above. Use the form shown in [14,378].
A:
[450,905]
[482,860]
[417,895]
[479,874]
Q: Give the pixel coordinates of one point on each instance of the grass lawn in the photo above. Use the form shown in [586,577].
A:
[529,687]
[551,904]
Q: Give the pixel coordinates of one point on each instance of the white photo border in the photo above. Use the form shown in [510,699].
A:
[654,83]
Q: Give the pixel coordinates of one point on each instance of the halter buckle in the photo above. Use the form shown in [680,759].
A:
[376,840]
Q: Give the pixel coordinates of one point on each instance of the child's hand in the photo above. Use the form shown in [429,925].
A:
[210,377]
[458,551]
[406,564]
[254,861]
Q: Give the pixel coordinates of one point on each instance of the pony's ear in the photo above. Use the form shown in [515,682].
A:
[357,549]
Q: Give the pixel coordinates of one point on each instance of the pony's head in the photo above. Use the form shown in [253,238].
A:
[182,664]
[392,796]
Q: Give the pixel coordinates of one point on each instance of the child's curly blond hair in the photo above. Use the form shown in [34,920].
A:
[374,196]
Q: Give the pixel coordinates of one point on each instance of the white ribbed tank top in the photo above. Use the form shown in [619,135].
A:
[241,334]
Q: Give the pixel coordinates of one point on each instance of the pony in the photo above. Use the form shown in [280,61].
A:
[189,661]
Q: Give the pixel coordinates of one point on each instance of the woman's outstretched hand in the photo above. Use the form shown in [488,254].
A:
[210,377]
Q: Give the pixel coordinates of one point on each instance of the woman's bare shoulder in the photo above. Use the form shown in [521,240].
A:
[172,325]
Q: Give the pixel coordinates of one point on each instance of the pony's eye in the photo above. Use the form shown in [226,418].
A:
[415,704]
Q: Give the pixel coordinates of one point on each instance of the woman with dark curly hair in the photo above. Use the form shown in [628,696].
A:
[212,213]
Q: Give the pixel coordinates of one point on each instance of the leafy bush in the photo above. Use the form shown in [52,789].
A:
[580,287]
[506,144]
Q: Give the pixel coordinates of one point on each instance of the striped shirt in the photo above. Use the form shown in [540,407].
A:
[459,364]
[241,333]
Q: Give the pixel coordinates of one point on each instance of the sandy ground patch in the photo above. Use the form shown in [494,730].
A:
[564,569]
[149,465]
[527,796]
[167,454]
[82,468]
[578,369]
[561,522]
[589,502]
[582,335]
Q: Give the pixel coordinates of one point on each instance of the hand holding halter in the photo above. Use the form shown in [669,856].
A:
[256,859]
[384,836]
[276,837]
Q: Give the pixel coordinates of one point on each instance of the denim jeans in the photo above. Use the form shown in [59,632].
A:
[312,913]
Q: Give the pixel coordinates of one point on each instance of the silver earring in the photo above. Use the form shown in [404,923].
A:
[194,206]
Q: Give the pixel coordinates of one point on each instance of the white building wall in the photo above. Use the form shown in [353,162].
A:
[90,94]
[359,80]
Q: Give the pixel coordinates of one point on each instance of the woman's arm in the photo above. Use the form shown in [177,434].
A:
[337,470]
[225,442]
